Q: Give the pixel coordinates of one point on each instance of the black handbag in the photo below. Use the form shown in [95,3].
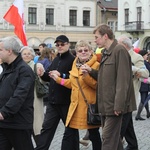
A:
[41,89]
[93,118]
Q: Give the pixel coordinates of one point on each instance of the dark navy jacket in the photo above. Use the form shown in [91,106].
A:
[17,95]
[145,87]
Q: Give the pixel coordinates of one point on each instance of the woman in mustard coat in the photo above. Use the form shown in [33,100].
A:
[77,114]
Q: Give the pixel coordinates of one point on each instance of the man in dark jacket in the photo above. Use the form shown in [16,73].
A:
[59,96]
[16,98]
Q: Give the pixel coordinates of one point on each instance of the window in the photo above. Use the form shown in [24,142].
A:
[72,45]
[116,26]
[73,17]
[139,17]
[126,16]
[111,25]
[86,18]
[32,15]
[139,13]
[49,16]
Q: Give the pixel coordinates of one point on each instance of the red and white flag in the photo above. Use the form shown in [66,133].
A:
[15,16]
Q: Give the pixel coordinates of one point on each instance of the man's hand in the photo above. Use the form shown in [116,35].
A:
[117,113]
[138,74]
[54,74]
[1,117]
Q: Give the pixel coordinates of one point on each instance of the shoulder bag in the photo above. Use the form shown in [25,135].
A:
[41,89]
[93,118]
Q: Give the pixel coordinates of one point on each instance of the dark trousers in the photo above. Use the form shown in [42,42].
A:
[144,101]
[71,139]
[95,138]
[15,138]
[127,131]
[111,139]
[51,120]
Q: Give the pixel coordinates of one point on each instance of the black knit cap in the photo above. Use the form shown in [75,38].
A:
[62,38]
[143,52]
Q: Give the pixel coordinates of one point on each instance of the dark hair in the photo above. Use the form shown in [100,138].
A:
[52,54]
[45,53]
[143,52]
[37,53]
[43,44]
[104,29]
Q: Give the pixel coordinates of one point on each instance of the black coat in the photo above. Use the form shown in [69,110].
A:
[59,94]
[144,86]
[17,95]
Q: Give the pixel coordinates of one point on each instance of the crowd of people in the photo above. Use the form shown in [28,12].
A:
[114,77]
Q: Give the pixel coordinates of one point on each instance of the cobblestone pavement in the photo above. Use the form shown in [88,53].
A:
[142,129]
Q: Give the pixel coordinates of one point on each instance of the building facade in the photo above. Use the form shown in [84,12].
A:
[109,13]
[134,20]
[46,19]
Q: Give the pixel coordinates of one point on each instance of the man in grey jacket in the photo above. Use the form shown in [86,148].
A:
[115,86]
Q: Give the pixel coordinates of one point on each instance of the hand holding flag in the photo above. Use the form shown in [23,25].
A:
[15,16]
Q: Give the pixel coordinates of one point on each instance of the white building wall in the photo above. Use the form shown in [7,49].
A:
[41,32]
[132,5]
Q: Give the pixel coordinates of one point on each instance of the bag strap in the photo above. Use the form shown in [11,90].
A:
[35,69]
[82,91]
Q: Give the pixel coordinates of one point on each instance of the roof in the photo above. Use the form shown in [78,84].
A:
[111,5]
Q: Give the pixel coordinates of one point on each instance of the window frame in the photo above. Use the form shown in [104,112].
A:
[86,18]
[32,15]
[126,13]
[73,17]
[49,16]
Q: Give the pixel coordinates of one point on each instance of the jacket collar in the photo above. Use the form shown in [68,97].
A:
[13,64]
[107,52]
[63,55]
[77,71]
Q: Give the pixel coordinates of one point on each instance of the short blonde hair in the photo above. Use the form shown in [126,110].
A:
[83,43]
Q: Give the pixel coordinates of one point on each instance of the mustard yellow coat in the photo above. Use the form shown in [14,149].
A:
[77,114]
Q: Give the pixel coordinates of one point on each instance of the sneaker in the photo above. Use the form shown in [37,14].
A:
[84,142]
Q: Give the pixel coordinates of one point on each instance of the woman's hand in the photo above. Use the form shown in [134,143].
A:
[85,69]
[40,69]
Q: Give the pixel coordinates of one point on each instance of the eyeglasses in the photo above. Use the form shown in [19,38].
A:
[62,44]
[84,50]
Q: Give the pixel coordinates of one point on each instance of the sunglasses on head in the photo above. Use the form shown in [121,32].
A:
[84,50]
[62,44]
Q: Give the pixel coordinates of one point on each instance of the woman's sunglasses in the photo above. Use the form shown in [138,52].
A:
[84,50]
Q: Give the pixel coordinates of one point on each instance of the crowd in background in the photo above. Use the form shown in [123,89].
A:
[113,75]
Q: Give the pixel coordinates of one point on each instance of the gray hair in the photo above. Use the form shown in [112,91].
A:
[11,43]
[29,48]
[126,41]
